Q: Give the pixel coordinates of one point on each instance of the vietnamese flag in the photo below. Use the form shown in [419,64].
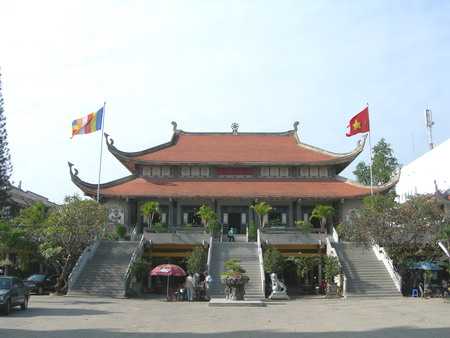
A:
[359,123]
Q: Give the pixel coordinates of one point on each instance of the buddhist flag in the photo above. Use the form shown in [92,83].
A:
[359,123]
[88,124]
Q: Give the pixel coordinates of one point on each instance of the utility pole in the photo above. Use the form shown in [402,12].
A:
[429,124]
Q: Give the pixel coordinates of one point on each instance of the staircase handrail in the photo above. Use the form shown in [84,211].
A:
[208,262]
[387,261]
[137,252]
[331,251]
[261,262]
[334,235]
[134,234]
[246,233]
[82,260]
[443,248]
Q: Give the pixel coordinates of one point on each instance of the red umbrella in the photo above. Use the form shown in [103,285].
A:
[168,270]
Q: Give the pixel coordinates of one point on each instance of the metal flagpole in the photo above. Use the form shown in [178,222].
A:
[370,148]
[101,153]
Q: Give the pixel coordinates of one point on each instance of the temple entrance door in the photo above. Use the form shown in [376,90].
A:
[234,220]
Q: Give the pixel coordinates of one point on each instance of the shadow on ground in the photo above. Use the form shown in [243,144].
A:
[396,332]
[59,312]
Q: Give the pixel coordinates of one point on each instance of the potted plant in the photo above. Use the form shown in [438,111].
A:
[332,269]
[234,280]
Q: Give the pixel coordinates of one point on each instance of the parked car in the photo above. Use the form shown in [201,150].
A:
[12,293]
[40,283]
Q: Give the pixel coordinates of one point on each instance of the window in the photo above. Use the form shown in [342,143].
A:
[314,172]
[323,172]
[275,172]
[195,171]
[284,172]
[304,172]
[278,216]
[156,171]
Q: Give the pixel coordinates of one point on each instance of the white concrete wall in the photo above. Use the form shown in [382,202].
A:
[418,176]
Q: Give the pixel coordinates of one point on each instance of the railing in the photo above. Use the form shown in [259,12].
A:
[334,235]
[343,278]
[134,235]
[85,256]
[443,248]
[246,233]
[208,262]
[136,254]
[382,256]
[261,262]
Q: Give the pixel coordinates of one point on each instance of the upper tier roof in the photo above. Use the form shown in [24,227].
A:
[244,149]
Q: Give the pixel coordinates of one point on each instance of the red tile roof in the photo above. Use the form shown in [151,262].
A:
[225,148]
[229,188]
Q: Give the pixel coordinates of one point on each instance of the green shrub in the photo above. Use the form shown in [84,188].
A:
[160,227]
[233,268]
[252,231]
[196,262]
[121,231]
[331,268]
[213,227]
[139,269]
[304,226]
[273,261]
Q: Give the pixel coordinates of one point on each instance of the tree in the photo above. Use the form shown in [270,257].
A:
[261,209]
[208,217]
[331,268]
[149,210]
[273,261]
[5,159]
[196,262]
[70,228]
[384,165]
[12,241]
[407,231]
[322,213]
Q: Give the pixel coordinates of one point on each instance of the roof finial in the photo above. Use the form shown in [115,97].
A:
[234,128]
[174,124]
[296,123]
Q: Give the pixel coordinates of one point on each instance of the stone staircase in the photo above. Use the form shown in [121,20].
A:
[366,275]
[247,254]
[103,275]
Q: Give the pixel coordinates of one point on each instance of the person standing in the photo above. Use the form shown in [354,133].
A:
[189,286]
[208,281]
[231,234]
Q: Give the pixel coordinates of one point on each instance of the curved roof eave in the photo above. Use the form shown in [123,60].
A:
[91,188]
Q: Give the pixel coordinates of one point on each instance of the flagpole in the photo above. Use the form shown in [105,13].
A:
[101,153]
[370,149]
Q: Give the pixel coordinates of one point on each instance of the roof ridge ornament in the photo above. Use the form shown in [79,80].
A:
[234,128]
[73,170]
[174,124]
[296,123]
[109,140]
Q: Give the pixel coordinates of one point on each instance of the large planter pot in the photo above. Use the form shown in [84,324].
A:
[235,287]
[332,290]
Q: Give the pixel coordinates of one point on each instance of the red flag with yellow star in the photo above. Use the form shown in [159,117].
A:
[359,123]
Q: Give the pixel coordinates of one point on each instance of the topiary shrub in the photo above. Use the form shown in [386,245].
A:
[252,231]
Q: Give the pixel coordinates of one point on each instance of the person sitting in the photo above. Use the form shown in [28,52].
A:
[231,234]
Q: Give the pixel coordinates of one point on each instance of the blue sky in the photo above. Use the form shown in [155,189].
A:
[206,64]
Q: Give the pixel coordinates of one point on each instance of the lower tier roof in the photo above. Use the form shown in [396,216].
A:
[228,188]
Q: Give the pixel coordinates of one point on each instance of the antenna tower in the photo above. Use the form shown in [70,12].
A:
[429,123]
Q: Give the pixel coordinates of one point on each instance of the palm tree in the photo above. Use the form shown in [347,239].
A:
[261,209]
[322,212]
[207,214]
[149,209]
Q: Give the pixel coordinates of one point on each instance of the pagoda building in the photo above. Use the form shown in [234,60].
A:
[230,171]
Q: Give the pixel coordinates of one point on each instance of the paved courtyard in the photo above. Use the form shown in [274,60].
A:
[60,317]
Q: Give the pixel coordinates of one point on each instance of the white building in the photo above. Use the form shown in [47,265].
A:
[419,176]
